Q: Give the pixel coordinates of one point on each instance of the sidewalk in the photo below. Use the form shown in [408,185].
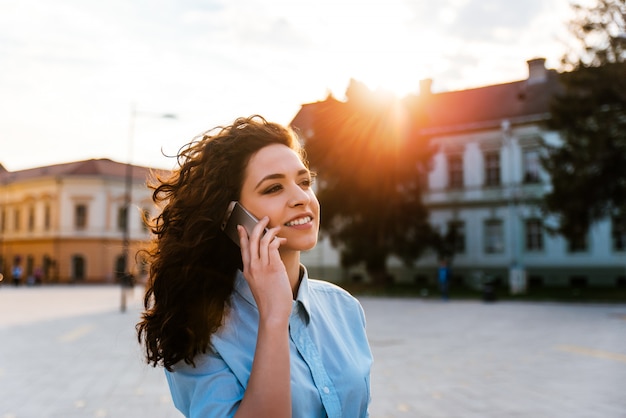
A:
[69,352]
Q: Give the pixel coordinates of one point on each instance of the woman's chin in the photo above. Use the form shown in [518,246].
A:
[299,245]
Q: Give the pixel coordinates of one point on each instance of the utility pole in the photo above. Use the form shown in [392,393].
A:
[126,277]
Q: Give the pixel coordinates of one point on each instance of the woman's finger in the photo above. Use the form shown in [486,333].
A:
[244,243]
[265,244]
[255,237]
[273,254]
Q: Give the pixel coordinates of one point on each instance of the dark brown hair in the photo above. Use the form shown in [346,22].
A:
[192,262]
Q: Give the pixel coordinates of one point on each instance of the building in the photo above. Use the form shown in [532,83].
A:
[486,184]
[67,222]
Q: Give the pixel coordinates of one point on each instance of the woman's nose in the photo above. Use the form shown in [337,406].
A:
[299,197]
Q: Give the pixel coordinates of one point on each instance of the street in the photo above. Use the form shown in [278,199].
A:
[68,351]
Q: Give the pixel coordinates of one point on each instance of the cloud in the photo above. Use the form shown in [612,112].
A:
[70,68]
[499,21]
[477,20]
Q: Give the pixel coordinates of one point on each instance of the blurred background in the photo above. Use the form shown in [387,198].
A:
[481,143]
[71,70]
[468,152]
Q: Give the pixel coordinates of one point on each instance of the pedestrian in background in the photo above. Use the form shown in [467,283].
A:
[38,275]
[238,325]
[16,271]
[443,277]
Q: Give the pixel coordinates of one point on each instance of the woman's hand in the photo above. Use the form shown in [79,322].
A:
[268,393]
[265,271]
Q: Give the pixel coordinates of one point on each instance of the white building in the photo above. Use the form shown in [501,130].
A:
[487,181]
[68,220]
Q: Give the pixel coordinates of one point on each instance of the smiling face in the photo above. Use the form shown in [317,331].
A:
[278,185]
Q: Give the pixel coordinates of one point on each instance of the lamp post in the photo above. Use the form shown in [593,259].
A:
[126,279]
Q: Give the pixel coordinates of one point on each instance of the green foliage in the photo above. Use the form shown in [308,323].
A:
[600,31]
[372,168]
[588,169]
[446,244]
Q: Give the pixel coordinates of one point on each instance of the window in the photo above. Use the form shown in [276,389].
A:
[455,171]
[143,266]
[120,266]
[618,233]
[456,232]
[80,216]
[31,218]
[492,168]
[494,236]
[145,218]
[78,267]
[30,265]
[16,220]
[46,217]
[577,244]
[122,218]
[578,282]
[532,166]
[534,281]
[534,235]
[47,264]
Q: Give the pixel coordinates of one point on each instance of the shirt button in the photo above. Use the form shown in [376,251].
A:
[326,390]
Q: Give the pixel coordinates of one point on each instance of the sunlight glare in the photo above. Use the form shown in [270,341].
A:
[389,61]
[375,42]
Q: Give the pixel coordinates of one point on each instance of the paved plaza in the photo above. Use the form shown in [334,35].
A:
[68,351]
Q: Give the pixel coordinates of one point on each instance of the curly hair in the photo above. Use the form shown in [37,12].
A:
[193,264]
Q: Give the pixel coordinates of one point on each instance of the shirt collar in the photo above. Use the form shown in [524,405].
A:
[302,298]
[303,294]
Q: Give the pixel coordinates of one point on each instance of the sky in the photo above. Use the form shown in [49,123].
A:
[83,79]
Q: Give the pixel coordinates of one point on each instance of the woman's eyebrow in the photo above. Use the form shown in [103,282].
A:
[269,177]
[275,176]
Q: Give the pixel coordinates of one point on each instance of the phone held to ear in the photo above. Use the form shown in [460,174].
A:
[238,215]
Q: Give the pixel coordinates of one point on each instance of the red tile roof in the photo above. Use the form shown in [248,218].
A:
[470,109]
[516,100]
[93,167]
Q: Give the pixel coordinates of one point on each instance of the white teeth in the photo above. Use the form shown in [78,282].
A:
[300,221]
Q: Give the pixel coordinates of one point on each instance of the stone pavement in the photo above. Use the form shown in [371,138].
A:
[68,351]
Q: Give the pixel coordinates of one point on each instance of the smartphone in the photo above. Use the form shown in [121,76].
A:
[238,215]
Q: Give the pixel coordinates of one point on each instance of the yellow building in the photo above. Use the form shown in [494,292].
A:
[67,222]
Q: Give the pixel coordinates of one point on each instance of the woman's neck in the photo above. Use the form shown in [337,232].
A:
[291,260]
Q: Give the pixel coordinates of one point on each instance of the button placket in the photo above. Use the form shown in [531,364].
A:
[326,389]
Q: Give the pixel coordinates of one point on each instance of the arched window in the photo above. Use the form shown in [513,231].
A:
[455,171]
[46,266]
[120,266]
[492,168]
[78,267]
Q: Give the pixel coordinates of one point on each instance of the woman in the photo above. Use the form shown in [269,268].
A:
[241,330]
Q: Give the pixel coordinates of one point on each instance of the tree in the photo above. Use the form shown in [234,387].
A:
[372,166]
[446,244]
[588,170]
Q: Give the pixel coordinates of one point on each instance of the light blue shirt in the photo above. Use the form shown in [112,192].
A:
[330,357]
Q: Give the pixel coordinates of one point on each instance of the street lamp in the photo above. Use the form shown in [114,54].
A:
[126,275]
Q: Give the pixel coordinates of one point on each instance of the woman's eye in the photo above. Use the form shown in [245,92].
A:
[273,189]
[308,182]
